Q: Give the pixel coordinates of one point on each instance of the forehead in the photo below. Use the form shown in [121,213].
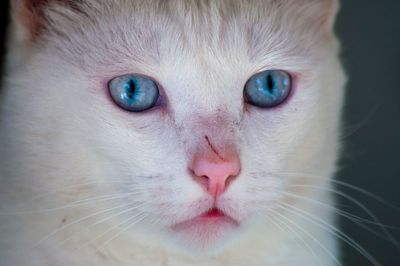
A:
[154,31]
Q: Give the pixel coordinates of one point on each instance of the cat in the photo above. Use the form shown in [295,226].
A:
[170,132]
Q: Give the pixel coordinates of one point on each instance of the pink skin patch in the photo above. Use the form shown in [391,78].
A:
[213,213]
[214,170]
[206,229]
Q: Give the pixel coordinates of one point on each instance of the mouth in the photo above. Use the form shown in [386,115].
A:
[212,222]
[213,213]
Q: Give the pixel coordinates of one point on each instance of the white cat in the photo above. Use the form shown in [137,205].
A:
[170,132]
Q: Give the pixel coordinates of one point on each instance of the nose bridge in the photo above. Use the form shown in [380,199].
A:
[215,136]
[214,158]
[206,88]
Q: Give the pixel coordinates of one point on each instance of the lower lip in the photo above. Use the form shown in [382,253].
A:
[212,220]
[213,214]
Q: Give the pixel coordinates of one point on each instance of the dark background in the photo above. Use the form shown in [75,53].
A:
[370,35]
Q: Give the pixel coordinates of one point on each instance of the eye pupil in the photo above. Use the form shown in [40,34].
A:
[131,89]
[270,83]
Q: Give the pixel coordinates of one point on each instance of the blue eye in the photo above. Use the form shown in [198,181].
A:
[134,93]
[268,88]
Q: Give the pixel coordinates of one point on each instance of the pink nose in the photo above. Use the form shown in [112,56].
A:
[215,176]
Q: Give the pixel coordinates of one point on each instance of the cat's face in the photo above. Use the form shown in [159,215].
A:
[204,164]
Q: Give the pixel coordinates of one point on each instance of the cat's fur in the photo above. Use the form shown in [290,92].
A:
[63,140]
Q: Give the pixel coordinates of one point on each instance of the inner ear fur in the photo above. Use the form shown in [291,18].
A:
[29,17]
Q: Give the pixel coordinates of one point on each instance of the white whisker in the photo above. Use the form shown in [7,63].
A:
[344,184]
[324,248]
[330,228]
[275,221]
[356,219]
[141,215]
[76,222]
[77,203]
[102,221]
[358,203]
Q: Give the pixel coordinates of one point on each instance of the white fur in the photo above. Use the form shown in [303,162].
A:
[63,140]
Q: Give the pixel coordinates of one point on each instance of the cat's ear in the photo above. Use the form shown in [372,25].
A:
[330,9]
[28,18]
[320,12]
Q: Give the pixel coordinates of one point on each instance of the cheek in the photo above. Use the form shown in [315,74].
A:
[272,136]
[255,185]
[254,193]
[135,141]
[169,202]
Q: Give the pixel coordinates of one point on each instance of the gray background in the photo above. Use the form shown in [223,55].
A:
[370,34]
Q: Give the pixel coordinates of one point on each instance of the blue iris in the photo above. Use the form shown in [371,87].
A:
[268,88]
[134,93]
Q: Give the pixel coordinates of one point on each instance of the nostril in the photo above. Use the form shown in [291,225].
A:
[203,180]
[214,177]
[230,179]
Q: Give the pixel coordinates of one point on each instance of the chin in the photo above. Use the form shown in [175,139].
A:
[205,235]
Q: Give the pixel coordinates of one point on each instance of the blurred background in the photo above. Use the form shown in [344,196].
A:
[370,36]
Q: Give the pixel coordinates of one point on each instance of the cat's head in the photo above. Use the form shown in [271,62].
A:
[198,119]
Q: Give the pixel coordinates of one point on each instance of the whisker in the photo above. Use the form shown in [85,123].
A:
[344,184]
[43,193]
[113,227]
[351,130]
[77,203]
[102,221]
[330,228]
[345,214]
[141,215]
[308,234]
[76,222]
[90,183]
[358,203]
[275,221]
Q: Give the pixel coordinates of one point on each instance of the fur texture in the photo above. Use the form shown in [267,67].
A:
[86,183]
